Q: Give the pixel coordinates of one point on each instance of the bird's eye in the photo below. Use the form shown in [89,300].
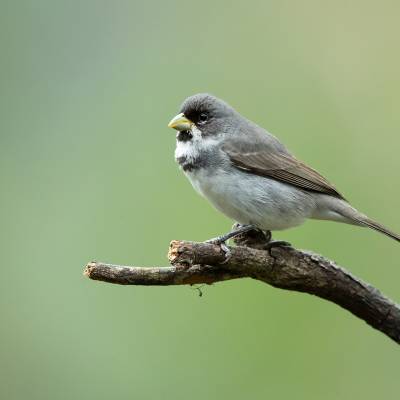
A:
[203,118]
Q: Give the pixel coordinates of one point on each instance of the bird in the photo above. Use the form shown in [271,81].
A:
[247,174]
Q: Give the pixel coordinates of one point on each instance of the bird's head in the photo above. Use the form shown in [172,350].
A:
[205,112]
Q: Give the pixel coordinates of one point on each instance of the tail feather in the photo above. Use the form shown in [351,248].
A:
[380,228]
[353,216]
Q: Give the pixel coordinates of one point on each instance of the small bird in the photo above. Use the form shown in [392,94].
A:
[249,175]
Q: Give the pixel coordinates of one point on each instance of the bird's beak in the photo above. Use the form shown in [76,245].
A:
[180,123]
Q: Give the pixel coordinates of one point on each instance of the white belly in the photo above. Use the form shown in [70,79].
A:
[250,199]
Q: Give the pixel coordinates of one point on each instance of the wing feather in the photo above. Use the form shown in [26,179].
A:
[281,166]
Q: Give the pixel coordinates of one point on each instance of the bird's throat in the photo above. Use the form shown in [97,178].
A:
[184,136]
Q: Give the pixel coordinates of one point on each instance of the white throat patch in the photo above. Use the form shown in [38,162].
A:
[193,148]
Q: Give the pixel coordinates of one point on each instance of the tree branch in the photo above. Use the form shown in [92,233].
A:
[284,267]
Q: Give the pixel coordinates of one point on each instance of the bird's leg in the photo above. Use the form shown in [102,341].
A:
[274,243]
[258,239]
[268,236]
[223,238]
[241,229]
[220,240]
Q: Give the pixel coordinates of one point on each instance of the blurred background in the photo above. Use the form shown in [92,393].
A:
[87,172]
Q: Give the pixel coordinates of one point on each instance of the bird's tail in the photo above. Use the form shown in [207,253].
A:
[353,216]
[369,223]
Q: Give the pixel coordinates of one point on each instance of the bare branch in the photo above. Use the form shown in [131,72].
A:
[160,276]
[283,267]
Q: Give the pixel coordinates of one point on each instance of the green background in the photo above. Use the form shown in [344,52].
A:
[87,172]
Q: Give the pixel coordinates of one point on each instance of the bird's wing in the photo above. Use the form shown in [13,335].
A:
[263,160]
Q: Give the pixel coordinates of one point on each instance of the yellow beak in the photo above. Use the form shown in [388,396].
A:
[180,123]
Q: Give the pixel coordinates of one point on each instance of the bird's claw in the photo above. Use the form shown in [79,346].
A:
[225,249]
[227,252]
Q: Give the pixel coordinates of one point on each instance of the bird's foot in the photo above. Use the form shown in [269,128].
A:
[276,243]
[221,240]
[236,232]
[239,230]
[225,249]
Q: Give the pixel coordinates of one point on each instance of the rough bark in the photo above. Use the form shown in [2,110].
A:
[283,267]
